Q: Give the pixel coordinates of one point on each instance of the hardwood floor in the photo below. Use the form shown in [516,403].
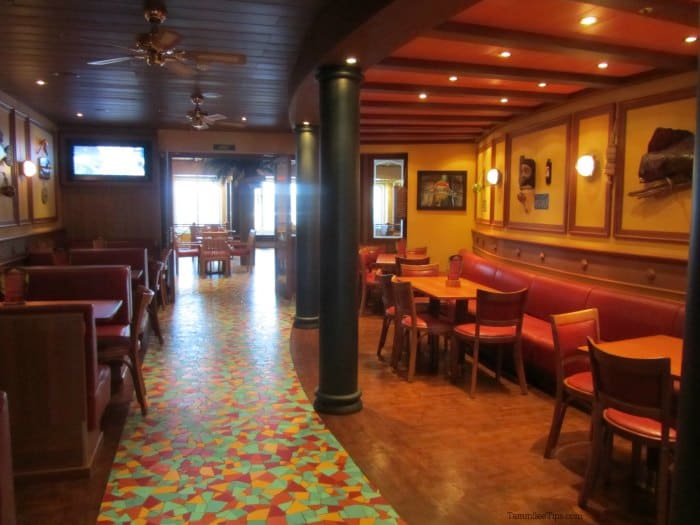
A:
[441,457]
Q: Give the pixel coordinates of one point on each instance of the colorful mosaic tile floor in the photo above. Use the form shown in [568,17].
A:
[230,437]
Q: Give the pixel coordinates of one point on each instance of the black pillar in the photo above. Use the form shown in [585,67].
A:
[308,228]
[685,503]
[339,88]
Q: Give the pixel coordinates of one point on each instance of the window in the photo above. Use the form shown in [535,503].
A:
[264,197]
[197,200]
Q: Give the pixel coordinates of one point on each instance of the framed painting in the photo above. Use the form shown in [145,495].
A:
[442,190]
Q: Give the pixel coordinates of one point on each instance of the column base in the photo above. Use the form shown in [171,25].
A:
[305,323]
[338,404]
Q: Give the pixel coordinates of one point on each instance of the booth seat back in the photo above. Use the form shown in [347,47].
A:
[509,279]
[51,283]
[7,488]
[549,296]
[478,269]
[623,315]
[137,258]
[49,345]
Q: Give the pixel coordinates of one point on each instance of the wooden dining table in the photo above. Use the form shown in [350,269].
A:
[647,347]
[102,309]
[436,287]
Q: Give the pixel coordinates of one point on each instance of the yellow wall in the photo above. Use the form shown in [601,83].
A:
[443,232]
[666,214]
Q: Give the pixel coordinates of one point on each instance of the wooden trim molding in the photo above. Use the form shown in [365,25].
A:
[649,275]
[619,231]
[509,187]
[573,227]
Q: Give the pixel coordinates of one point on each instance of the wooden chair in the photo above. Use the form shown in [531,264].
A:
[407,261]
[215,249]
[162,289]
[499,321]
[574,379]
[388,307]
[185,248]
[367,255]
[155,271]
[409,323]
[417,270]
[420,250]
[245,250]
[127,350]
[7,487]
[631,399]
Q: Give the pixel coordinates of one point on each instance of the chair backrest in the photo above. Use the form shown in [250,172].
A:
[637,386]
[420,250]
[401,247]
[403,300]
[419,270]
[214,244]
[385,283]
[142,297]
[405,261]
[570,331]
[250,241]
[500,308]
[155,268]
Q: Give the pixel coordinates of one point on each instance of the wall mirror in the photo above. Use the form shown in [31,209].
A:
[388,198]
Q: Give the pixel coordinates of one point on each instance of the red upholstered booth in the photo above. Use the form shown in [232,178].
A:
[136,258]
[622,315]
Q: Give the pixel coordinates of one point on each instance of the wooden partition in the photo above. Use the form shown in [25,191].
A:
[43,371]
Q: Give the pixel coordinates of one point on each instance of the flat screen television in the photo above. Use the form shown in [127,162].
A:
[109,160]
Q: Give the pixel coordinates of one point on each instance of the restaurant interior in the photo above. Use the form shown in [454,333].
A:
[349,261]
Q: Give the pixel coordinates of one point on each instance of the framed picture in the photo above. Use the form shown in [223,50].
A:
[526,176]
[442,190]
[44,167]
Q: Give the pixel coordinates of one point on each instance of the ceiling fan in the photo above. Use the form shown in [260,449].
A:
[200,119]
[158,47]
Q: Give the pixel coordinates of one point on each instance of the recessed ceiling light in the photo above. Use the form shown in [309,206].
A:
[453,78]
[504,100]
[41,82]
[244,118]
[79,114]
[588,20]
[542,84]
[690,39]
[423,96]
[306,123]
[504,54]
[351,60]
[602,65]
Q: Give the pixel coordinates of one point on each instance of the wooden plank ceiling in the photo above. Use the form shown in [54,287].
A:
[469,86]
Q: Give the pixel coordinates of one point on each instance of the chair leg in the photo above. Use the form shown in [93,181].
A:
[555,429]
[475,368]
[597,445]
[413,351]
[662,487]
[520,367]
[399,342]
[137,378]
[382,336]
[363,300]
[499,362]
[155,323]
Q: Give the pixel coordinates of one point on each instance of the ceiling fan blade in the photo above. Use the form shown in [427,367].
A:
[110,61]
[215,117]
[180,69]
[202,58]
[165,39]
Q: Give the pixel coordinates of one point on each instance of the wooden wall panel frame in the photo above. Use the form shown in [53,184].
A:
[618,231]
[480,176]
[502,184]
[573,228]
[551,228]
[11,165]
[36,180]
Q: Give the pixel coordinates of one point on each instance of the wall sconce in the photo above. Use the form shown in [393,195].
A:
[28,168]
[493,176]
[585,165]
